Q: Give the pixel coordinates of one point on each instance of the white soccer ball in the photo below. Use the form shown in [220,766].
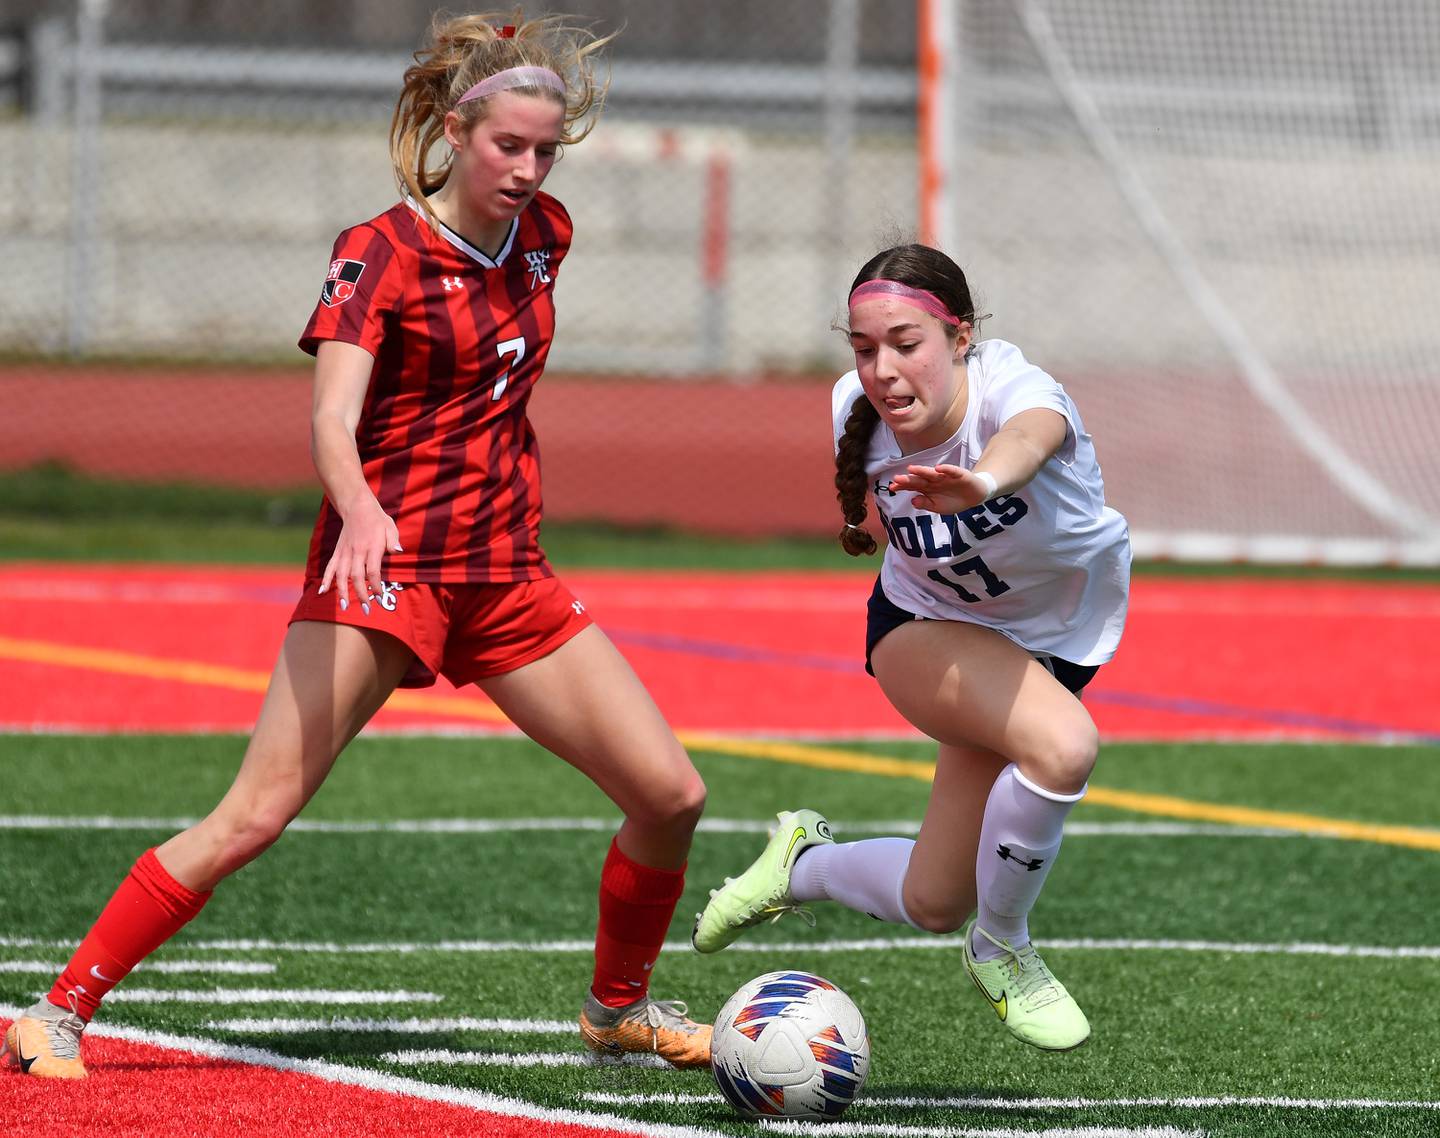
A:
[790,1045]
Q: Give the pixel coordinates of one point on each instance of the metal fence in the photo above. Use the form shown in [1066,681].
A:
[1213,221]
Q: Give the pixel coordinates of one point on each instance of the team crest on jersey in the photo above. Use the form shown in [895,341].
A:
[539,267]
[340,281]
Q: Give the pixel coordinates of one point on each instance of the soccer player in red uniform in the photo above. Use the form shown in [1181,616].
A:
[433,326]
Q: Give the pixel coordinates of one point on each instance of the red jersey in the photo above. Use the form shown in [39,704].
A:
[459,340]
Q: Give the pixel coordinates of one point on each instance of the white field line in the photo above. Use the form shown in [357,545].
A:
[609,825]
[875,944]
[226,967]
[522,1059]
[891,1130]
[267,996]
[391,1084]
[976,1102]
[412,1026]
[495,1104]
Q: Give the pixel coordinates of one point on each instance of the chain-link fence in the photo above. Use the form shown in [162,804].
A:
[174,183]
[1213,222]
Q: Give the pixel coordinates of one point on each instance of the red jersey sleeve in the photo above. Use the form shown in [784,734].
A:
[362,288]
[561,229]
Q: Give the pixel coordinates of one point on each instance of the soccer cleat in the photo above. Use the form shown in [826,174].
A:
[658,1026]
[45,1042]
[762,892]
[1030,1002]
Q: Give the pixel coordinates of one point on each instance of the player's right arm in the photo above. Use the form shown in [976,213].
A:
[342,377]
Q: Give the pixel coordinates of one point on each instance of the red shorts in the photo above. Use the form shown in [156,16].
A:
[461,632]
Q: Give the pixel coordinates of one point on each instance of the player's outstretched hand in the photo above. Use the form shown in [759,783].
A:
[942,489]
[365,536]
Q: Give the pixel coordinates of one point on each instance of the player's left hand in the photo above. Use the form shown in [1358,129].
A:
[942,489]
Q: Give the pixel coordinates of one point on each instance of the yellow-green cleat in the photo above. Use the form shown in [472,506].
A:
[1031,1003]
[762,892]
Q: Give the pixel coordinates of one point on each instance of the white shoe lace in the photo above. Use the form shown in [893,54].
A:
[1034,983]
[771,913]
[62,1029]
[673,1015]
[667,1013]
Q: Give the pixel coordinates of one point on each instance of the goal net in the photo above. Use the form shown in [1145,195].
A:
[1216,223]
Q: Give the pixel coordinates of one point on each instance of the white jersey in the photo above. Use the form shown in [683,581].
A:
[1047,566]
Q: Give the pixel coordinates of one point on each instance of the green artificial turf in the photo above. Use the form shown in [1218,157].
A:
[376,911]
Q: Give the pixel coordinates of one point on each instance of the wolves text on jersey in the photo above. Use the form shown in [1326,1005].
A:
[947,535]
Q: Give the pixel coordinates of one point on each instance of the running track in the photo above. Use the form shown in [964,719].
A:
[186,648]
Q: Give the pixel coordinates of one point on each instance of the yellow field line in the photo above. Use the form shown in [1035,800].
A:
[824,758]
[212,675]
[1168,807]
[131,664]
[1158,805]
[803,754]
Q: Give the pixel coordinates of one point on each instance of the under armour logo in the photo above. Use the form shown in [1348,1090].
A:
[452,283]
[577,606]
[883,488]
[539,267]
[1031,864]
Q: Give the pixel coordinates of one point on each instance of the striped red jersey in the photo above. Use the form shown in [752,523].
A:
[459,340]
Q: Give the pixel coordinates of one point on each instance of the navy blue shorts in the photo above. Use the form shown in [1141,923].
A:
[883,616]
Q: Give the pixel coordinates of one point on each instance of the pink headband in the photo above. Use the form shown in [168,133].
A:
[916,297]
[514,77]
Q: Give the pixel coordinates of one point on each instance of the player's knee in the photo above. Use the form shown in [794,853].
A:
[1064,762]
[936,912]
[687,803]
[938,919]
[674,807]
[248,837]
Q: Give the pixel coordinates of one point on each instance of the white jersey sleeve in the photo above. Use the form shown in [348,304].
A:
[842,399]
[1015,385]
[1047,566]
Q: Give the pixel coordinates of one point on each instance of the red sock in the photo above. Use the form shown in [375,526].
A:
[636,904]
[147,910]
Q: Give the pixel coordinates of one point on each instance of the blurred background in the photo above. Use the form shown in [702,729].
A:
[1213,221]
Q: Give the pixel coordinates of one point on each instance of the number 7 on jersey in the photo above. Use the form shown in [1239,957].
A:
[504,348]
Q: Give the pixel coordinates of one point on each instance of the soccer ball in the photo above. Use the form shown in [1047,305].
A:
[790,1045]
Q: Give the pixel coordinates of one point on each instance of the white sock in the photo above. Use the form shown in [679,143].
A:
[1019,839]
[867,876]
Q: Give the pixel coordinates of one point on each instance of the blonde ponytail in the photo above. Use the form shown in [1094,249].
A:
[466,49]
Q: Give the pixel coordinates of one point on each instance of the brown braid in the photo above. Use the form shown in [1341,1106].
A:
[850,478]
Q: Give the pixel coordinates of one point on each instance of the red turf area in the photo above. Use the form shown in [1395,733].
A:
[160,1092]
[771,653]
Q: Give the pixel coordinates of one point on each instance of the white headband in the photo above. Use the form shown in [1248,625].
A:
[514,77]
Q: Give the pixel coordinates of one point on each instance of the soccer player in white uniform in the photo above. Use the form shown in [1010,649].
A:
[1003,589]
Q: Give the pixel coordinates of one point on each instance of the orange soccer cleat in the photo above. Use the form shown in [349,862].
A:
[658,1026]
[45,1042]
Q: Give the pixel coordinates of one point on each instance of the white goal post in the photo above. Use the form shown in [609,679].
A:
[1208,221]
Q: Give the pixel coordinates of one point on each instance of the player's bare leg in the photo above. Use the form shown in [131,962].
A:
[939,886]
[329,680]
[972,689]
[585,703]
